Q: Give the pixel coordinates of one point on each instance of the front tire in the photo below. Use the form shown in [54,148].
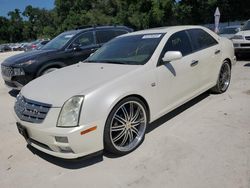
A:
[125,127]
[224,78]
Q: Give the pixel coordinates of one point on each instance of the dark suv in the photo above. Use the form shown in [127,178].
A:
[66,49]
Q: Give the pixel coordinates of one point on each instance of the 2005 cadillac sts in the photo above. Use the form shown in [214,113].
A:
[108,101]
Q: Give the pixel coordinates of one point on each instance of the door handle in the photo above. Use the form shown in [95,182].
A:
[194,63]
[217,52]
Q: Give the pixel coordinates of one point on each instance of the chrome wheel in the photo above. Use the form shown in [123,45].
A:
[127,126]
[224,77]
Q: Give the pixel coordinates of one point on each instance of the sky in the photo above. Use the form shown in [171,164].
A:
[9,5]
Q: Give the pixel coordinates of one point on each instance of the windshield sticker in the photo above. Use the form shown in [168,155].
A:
[68,36]
[153,36]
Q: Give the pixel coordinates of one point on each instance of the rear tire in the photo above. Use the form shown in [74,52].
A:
[125,126]
[224,78]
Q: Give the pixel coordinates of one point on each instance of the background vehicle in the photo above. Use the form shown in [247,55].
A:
[36,45]
[109,100]
[66,49]
[241,40]
[4,48]
[229,31]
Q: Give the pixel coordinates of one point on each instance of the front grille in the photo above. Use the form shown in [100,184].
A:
[31,111]
[245,45]
[247,37]
[7,71]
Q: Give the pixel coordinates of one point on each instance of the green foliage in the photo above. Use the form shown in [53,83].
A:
[35,23]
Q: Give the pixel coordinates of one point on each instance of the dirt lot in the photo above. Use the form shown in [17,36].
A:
[203,144]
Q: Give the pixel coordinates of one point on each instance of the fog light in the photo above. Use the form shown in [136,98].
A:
[62,139]
[65,149]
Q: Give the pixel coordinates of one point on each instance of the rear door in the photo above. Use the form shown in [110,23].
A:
[209,52]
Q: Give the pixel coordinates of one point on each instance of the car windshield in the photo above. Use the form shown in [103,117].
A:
[58,42]
[134,50]
[246,26]
[229,30]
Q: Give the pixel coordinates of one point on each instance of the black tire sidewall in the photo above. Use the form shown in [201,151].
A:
[108,145]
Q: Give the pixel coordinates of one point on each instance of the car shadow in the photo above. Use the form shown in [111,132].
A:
[247,65]
[14,93]
[69,163]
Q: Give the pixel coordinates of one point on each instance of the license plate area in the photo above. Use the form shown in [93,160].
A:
[23,131]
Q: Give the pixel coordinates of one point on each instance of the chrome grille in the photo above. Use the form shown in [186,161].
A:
[7,71]
[247,37]
[31,111]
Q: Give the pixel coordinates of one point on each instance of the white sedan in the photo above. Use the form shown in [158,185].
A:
[108,101]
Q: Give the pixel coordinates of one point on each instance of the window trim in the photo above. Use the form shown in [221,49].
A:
[193,44]
[162,53]
[79,35]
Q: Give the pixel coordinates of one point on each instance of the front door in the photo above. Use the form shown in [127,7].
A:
[177,80]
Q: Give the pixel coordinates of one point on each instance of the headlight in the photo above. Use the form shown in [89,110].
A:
[18,72]
[70,112]
[27,62]
[238,37]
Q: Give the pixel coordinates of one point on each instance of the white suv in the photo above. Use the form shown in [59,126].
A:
[241,40]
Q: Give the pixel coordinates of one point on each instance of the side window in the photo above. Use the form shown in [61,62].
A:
[178,42]
[85,39]
[201,39]
[104,36]
[120,32]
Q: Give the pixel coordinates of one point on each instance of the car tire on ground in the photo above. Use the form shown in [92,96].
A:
[125,126]
[224,78]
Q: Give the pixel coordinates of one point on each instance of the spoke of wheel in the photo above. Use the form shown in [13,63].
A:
[130,135]
[138,122]
[131,111]
[134,130]
[120,119]
[118,127]
[137,113]
[120,135]
[125,112]
[125,138]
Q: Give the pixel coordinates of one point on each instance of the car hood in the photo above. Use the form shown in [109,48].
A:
[58,86]
[244,33]
[26,56]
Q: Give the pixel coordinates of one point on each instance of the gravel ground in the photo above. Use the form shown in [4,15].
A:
[203,144]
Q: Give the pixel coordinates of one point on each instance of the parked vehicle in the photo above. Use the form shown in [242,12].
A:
[229,31]
[109,100]
[66,49]
[241,40]
[4,48]
[36,45]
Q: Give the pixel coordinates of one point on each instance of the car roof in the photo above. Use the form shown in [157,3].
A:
[76,31]
[165,29]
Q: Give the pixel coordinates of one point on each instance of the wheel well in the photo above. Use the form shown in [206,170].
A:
[143,100]
[48,67]
[229,61]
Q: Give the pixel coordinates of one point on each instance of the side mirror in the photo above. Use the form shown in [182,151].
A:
[171,56]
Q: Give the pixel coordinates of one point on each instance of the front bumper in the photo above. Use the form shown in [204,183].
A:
[241,46]
[14,81]
[44,136]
